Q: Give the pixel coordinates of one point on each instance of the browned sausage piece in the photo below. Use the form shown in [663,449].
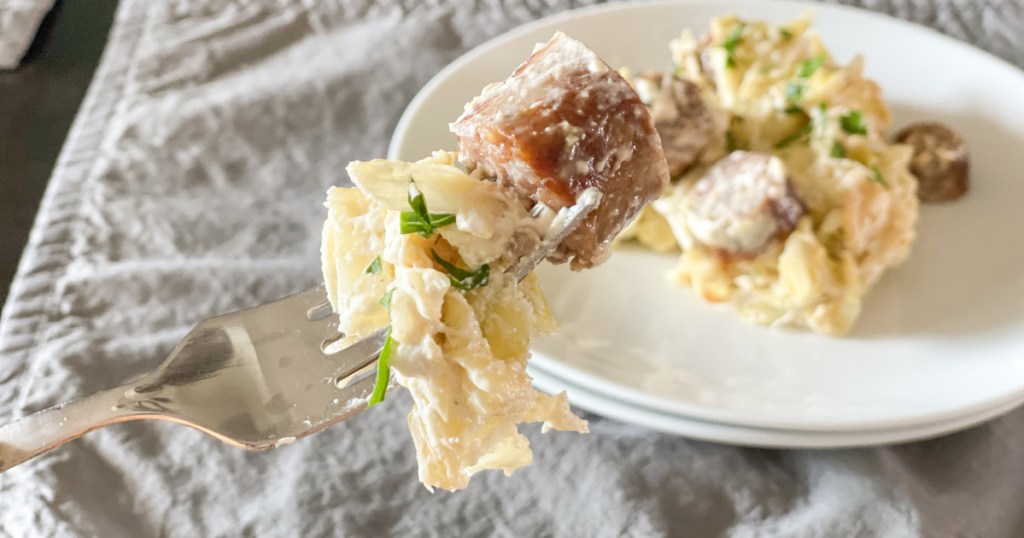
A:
[564,121]
[742,205]
[682,119]
[940,160]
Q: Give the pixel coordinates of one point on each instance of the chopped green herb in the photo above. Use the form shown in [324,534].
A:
[853,123]
[461,278]
[876,176]
[679,70]
[785,33]
[793,137]
[438,220]
[385,300]
[838,151]
[374,267]
[794,91]
[730,142]
[795,88]
[731,42]
[808,67]
[380,388]
[419,220]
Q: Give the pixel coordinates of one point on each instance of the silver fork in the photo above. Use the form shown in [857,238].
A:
[256,379]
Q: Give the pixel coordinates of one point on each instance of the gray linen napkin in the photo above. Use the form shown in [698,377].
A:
[19,20]
[189,186]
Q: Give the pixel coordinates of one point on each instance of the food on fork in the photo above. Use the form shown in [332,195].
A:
[798,203]
[425,247]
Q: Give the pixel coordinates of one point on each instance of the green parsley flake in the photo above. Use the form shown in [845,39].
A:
[876,176]
[374,267]
[419,220]
[794,91]
[730,142]
[461,278]
[385,299]
[838,151]
[731,42]
[380,387]
[785,33]
[808,67]
[853,123]
[795,88]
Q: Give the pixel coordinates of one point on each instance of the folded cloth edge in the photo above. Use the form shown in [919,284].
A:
[30,300]
[19,22]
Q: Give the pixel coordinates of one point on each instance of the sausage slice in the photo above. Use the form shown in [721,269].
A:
[743,205]
[565,121]
[682,119]
[940,160]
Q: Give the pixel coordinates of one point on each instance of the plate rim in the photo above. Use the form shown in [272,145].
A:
[756,437]
[594,383]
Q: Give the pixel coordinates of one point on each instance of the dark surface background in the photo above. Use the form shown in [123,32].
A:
[38,101]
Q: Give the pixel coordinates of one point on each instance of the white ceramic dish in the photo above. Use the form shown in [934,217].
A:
[940,339]
[731,434]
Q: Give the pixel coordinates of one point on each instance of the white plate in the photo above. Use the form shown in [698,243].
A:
[940,338]
[750,436]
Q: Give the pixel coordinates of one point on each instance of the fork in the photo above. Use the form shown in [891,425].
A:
[256,379]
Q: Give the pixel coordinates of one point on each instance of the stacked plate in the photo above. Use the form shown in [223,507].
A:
[940,343]
[634,349]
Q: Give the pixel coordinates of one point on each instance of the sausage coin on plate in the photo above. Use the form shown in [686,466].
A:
[940,161]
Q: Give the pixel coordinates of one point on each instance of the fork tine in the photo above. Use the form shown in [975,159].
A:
[327,325]
[355,396]
[356,376]
[319,311]
[360,354]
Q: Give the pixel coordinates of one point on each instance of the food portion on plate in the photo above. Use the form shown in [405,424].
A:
[425,246]
[788,200]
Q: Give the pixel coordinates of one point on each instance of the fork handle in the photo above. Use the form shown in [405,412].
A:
[39,432]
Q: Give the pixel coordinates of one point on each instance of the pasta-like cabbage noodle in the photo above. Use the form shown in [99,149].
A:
[461,354]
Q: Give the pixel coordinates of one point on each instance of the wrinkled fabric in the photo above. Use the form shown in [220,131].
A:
[191,184]
[19,20]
